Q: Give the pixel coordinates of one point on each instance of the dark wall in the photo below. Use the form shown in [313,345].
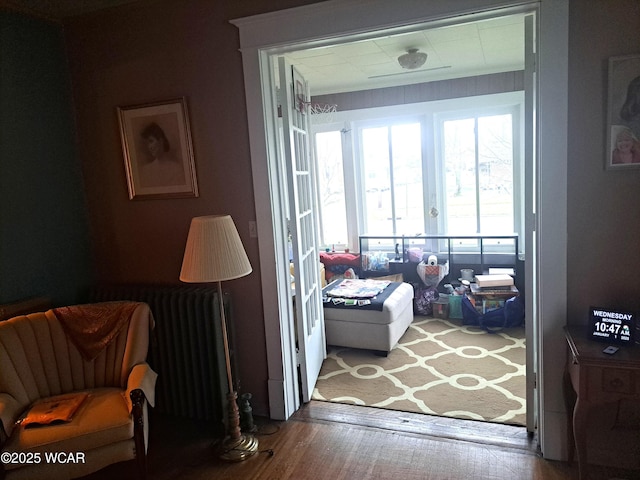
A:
[43,224]
[603,206]
[155,50]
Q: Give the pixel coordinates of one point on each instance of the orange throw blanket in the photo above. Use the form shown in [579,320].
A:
[93,327]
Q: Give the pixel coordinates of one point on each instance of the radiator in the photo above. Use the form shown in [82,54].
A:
[186,348]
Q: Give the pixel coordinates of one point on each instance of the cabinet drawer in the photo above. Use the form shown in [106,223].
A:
[616,380]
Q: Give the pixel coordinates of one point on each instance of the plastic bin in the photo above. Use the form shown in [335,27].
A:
[455,306]
[441,307]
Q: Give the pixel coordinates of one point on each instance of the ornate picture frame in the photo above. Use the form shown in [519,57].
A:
[157,149]
[623,115]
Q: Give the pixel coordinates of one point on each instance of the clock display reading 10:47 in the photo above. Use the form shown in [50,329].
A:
[612,325]
[614,329]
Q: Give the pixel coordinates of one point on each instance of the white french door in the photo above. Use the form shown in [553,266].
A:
[530,247]
[303,225]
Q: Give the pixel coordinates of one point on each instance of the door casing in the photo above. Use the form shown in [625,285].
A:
[319,24]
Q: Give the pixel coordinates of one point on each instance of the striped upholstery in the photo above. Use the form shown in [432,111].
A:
[38,360]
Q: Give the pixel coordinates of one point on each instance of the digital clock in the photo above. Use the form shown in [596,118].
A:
[613,326]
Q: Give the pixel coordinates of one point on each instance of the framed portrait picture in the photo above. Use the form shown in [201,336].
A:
[157,149]
[623,116]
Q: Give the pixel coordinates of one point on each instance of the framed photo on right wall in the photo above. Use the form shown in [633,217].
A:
[623,116]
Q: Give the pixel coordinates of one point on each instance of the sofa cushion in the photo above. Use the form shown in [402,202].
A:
[337,264]
[102,419]
[340,259]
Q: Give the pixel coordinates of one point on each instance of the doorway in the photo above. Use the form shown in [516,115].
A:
[313,26]
[383,154]
[451,108]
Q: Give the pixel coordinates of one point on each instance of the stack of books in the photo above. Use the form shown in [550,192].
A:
[490,291]
[493,282]
[500,285]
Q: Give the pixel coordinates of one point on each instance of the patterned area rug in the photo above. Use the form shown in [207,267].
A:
[439,367]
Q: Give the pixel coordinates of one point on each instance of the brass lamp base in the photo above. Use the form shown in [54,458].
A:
[239,449]
[237,446]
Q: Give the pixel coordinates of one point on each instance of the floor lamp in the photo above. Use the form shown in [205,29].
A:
[214,253]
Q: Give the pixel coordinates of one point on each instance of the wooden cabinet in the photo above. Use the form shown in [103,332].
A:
[596,378]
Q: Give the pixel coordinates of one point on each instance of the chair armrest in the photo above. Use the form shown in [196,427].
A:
[10,409]
[142,377]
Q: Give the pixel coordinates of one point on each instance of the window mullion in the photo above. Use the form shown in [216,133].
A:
[477,161]
[431,175]
[351,186]
[392,181]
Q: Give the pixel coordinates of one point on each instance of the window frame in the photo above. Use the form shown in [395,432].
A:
[349,177]
[430,115]
[389,123]
[475,112]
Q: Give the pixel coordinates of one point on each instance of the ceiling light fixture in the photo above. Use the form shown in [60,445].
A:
[412,59]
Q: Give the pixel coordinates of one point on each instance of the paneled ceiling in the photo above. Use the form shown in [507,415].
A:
[455,51]
[462,50]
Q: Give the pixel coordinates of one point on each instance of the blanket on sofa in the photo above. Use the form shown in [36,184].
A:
[93,327]
[331,298]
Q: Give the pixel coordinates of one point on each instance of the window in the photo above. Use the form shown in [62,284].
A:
[442,168]
[331,191]
[478,162]
[391,165]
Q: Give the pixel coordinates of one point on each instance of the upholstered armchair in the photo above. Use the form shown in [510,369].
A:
[98,349]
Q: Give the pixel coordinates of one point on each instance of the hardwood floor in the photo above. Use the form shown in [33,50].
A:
[332,441]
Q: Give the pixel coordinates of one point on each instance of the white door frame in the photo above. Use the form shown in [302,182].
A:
[314,25]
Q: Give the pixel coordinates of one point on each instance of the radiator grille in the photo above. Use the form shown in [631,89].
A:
[186,349]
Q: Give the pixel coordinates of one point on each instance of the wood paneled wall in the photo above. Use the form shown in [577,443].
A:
[425,92]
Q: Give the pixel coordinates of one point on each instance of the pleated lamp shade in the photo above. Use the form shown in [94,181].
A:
[214,251]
